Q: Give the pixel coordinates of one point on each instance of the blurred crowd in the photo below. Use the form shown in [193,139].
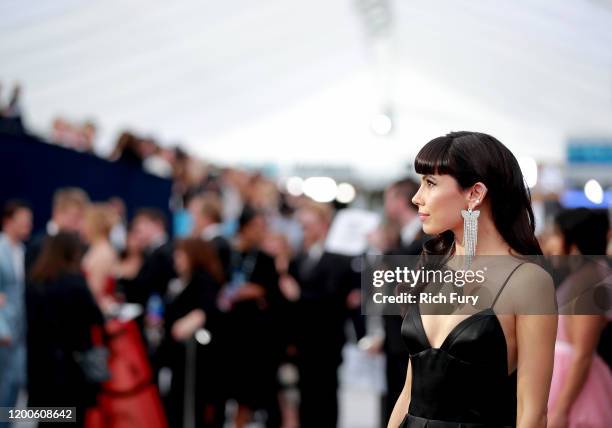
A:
[130,148]
[241,318]
[244,319]
[10,112]
[230,313]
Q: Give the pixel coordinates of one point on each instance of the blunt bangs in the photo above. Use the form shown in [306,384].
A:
[434,157]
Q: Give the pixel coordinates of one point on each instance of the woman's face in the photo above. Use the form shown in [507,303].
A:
[181,262]
[554,244]
[440,201]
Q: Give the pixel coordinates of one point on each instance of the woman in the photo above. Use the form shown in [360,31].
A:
[484,369]
[61,315]
[191,305]
[582,382]
[129,397]
[251,300]
[101,261]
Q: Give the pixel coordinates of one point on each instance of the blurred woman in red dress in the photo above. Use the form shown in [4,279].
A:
[130,398]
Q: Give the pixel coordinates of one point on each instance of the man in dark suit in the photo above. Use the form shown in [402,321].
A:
[318,283]
[149,226]
[400,210]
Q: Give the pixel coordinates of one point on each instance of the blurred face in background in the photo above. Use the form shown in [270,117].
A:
[19,226]
[313,226]
[553,243]
[393,203]
[146,231]
[133,243]
[181,263]
[117,206]
[198,220]
[254,232]
[69,218]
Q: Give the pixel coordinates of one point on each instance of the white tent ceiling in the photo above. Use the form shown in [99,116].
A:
[293,81]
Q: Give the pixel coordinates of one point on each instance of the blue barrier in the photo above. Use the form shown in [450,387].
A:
[33,170]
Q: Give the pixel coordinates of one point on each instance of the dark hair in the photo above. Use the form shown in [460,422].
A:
[407,188]
[153,214]
[60,254]
[202,256]
[472,157]
[247,215]
[10,208]
[585,228]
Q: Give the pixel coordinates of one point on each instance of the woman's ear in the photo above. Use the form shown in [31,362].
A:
[476,195]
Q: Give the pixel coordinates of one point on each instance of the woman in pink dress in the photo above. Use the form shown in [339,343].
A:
[581,389]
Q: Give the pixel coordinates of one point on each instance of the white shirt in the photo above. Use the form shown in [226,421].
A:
[315,252]
[18,253]
[52,228]
[211,231]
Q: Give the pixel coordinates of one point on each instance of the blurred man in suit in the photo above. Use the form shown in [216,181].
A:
[149,228]
[68,214]
[16,228]
[318,282]
[400,210]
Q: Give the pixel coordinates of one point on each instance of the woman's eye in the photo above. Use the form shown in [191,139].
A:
[430,183]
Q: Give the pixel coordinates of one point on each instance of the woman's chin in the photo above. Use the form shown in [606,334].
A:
[430,230]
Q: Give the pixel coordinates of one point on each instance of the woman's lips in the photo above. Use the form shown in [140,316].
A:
[423,216]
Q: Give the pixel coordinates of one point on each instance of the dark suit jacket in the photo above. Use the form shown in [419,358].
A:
[393,323]
[33,250]
[224,252]
[321,309]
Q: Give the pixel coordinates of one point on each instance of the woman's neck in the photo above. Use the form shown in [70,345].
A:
[100,241]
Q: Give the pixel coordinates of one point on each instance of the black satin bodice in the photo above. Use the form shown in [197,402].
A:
[463,383]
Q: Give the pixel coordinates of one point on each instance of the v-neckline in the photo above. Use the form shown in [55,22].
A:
[454,331]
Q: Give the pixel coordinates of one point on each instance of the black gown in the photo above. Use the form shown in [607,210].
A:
[465,382]
[61,313]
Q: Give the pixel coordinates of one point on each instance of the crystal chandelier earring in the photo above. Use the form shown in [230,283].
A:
[470,233]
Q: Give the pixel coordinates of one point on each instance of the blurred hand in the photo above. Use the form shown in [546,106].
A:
[353,299]
[224,303]
[185,327]
[289,287]
[107,304]
[371,344]
[248,291]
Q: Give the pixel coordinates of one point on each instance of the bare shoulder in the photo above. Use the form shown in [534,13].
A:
[531,290]
[102,255]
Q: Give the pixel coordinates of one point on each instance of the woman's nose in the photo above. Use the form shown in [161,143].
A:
[416,199]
